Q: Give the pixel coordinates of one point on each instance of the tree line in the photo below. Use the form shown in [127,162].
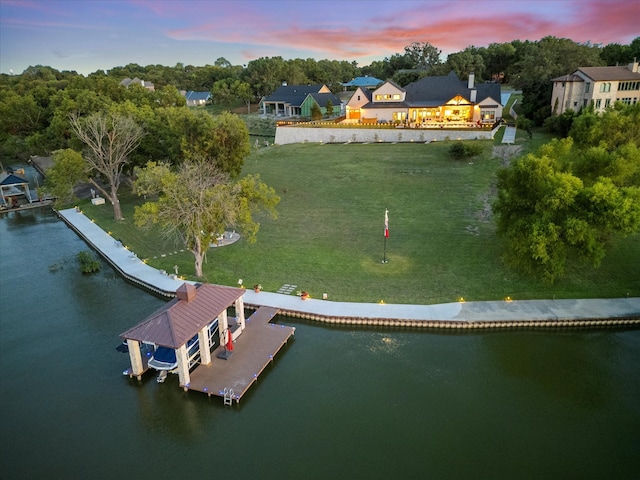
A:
[35,105]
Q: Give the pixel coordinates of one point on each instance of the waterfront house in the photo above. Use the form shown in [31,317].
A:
[428,101]
[597,86]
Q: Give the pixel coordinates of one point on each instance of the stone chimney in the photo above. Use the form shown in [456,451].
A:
[634,66]
[186,292]
[474,94]
[472,78]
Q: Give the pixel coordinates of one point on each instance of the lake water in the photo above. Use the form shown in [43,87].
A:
[342,403]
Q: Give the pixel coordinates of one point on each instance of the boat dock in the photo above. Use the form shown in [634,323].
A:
[232,376]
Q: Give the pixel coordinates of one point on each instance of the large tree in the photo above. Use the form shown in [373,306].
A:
[67,170]
[197,202]
[569,199]
[109,139]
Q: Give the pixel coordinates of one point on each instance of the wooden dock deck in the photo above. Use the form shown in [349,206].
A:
[252,352]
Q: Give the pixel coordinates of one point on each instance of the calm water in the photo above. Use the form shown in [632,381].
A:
[338,403]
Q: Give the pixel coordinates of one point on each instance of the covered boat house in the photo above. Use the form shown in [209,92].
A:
[194,335]
[12,187]
[193,325]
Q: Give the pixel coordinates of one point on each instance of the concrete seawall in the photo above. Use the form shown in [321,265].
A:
[581,313]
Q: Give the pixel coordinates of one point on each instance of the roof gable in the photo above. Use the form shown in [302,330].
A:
[7,179]
[197,96]
[294,94]
[178,321]
[322,99]
[364,95]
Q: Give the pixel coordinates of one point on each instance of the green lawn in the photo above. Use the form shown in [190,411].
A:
[329,234]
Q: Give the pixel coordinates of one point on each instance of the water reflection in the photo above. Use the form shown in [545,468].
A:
[563,364]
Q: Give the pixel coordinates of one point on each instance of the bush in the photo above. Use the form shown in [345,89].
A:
[460,150]
[88,262]
[457,151]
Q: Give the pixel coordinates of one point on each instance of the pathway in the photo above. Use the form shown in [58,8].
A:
[527,313]
[509,135]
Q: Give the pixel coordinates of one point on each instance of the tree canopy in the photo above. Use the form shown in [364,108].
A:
[571,197]
[197,202]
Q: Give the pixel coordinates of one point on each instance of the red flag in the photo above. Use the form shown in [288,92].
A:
[386,223]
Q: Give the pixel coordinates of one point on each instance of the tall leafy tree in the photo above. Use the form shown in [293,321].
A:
[423,55]
[197,202]
[570,198]
[539,62]
[67,170]
[109,139]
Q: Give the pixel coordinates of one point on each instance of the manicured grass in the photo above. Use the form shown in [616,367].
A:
[329,234]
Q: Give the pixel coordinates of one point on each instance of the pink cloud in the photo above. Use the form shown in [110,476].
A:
[445,25]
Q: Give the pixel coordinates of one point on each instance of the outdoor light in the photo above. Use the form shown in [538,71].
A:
[507,299]
[381,302]
[461,300]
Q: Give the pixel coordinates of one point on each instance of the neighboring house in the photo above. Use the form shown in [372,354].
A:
[128,81]
[297,100]
[597,86]
[196,98]
[430,99]
[360,97]
[363,82]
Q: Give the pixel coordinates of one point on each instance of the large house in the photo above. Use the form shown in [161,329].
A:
[597,86]
[297,100]
[427,101]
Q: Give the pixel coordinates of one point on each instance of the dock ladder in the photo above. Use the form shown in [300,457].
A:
[228,396]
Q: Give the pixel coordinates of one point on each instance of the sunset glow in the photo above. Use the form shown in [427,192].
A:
[101,34]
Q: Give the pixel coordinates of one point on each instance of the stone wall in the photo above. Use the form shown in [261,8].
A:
[291,134]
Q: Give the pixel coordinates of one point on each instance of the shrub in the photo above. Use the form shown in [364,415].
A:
[457,151]
[88,262]
[460,150]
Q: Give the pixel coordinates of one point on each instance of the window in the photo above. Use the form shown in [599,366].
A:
[587,87]
[388,96]
[487,115]
[626,100]
[598,103]
[625,86]
[605,87]
[607,103]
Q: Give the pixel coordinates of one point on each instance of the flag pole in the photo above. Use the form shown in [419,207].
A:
[386,235]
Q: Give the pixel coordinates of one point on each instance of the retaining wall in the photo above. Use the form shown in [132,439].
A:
[293,134]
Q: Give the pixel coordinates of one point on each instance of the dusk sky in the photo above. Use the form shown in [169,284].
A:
[101,34]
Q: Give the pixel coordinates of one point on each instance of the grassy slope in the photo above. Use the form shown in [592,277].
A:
[329,235]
